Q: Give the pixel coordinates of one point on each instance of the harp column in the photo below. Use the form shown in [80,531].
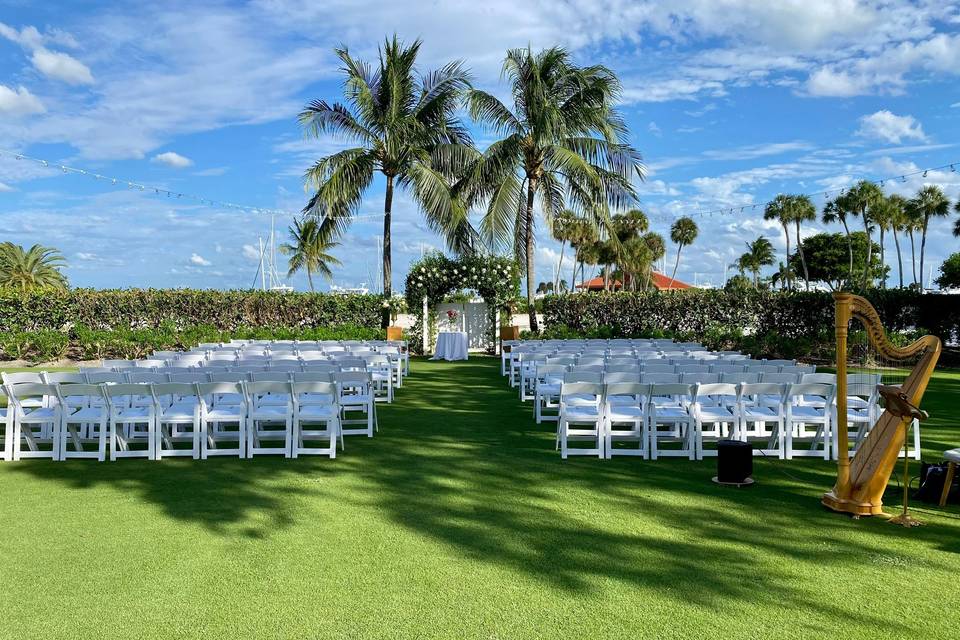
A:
[842,301]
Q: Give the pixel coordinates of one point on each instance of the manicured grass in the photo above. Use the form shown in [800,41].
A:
[459,520]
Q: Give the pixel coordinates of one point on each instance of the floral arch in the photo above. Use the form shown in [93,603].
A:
[432,278]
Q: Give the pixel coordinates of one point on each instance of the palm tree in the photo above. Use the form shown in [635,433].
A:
[914,222]
[683,232]
[405,127]
[759,254]
[859,200]
[562,142]
[929,203]
[802,210]
[309,250]
[562,228]
[835,211]
[607,253]
[657,248]
[779,209]
[956,223]
[37,267]
[582,234]
[884,214]
[781,276]
[898,222]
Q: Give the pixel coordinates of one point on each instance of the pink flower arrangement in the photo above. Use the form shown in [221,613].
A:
[452,315]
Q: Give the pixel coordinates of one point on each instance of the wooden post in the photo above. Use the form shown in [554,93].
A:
[426,326]
[496,331]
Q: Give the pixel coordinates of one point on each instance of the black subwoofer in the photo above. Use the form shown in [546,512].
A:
[734,463]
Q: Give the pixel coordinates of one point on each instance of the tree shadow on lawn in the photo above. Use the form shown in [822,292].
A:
[460,460]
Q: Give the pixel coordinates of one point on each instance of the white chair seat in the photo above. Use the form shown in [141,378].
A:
[223,414]
[752,413]
[715,413]
[317,411]
[628,413]
[953,455]
[269,412]
[133,413]
[671,412]
[581,413]
[177,412]
[550,389]
[42,414]
[355,399]
[93,414]
[806,411]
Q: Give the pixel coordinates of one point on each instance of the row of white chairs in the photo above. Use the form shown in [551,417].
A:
[302,416]
[657,420]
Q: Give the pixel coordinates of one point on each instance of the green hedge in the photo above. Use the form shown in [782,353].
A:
[764,323]
[152,308]
[83,343]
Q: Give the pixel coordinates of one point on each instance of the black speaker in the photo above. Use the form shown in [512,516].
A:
[734,463]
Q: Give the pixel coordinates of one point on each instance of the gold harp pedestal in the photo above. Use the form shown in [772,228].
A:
[861,480]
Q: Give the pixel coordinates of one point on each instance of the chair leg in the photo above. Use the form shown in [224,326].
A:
[947,482]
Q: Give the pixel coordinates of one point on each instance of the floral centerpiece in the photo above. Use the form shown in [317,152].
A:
[453,320]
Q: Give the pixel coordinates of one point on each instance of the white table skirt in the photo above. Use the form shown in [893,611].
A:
[451,345]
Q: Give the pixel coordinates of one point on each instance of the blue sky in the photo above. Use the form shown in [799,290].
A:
[730,102]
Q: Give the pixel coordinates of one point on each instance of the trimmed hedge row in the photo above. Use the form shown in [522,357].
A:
[765,323]
[151,308]
[83,343]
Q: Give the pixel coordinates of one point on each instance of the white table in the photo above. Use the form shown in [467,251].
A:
[451,345]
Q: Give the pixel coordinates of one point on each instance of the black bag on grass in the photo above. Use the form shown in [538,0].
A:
[932,477]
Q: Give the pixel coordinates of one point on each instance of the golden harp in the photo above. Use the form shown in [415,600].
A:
[862,480]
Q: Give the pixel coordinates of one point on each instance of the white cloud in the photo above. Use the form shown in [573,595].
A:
[19,101]
[212,171]
[61,66]
[888,127]
[828,82]
[199,260]
[250,252]
[654,129]
[955,105]
[172,159]
[5,188]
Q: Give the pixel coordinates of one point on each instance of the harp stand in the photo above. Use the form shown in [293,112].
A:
[905,519]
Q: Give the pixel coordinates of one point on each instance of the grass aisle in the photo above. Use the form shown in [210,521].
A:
[458,520]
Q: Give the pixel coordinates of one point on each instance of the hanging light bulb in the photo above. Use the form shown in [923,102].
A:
[924,173]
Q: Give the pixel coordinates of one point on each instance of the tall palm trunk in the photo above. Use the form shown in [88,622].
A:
[786,234]
[803,259]
[387,261]
[883,259]
[531,307]
[556,278]
[913,256]
[576,259]
[866,267]
[310,278]
[896,241]
[846,230]
[675,265]
[923,247]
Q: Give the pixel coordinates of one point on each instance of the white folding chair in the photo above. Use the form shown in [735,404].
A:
[626,419]
[381,376]
[177,410]
[355,395]
[580,419]
[36,418]
[131,426]
[546,391]
[269,421]
[222,424]
[670,420]
[714,418]
[85,421]
[798,417]
[760,419]
[315,421]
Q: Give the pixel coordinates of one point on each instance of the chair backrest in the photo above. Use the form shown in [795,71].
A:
[650,367]
[250,368]
[313,376]
[550,370]
[114,364]
[288,367]
[182,364]
[621,377]
[31,390]
[623,368]
[312,355]
[699,377]
[762,368]
[579,375]
[22,377]
[148,377]
[756,389]
[564,360]
[660,378]
[590,361]
[862,378]
[355,364]
[714,389]
[193,377]
[213,389]
[79,390]
[229,376]
[149,364]
[861,389]
[173,389]
[256,389]
[780,363]
[270,376]
[64,377]
[347,379]
[126,389]
[104,377]
[740,376]
[727,368]
[658,390]
[783,378]
[320,367]
[693,368]
[627,388]
[828,391]
[581,389]
[323,387]
[825,378]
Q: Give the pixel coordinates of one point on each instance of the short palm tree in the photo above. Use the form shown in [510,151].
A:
[562,231]
[802,210]
[657,248]
[759,254]
[36,268]
[835,211]
[898,222]
[404,127]
[562,143]
[309,249]
[582,234]
[956,223]
[683,232]
[884,214]
[930,202]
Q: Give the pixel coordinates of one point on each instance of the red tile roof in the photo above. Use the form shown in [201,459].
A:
[660,281]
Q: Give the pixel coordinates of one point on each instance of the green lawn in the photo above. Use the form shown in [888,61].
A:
[459,520]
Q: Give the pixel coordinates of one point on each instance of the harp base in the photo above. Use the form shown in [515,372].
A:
[906,520]
[853,507]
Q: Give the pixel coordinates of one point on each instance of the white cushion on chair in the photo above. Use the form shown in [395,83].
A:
[953,455]
[625,412]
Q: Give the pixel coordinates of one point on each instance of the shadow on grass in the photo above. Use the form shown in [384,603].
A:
[460,460]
